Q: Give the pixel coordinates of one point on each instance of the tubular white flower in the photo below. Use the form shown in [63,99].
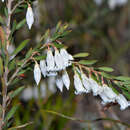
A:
[35,92]
[66,57]
[43,67]
[58,60]
[51,84]
[52,73]
[29,17]
[98,2]
[96,89]
[110,94]
[50,61]
[121,100]
[37,73]
[66,79]
[78,85]
[2,0]
[59,84]
[86,83]
[43,89]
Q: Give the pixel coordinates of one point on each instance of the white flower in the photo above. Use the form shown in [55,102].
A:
[66,57]
[2,0]
[29,17]
[35,92]
[110,94]
[112,3]
[66,79]
[43,67]
[96,89]
[27,94]
[58,60]
[86,83]
[50,61]
[78,85]
[37,73]
[121,100]
[59,83]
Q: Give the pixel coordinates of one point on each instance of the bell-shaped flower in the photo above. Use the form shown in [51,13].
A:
[86,83]
[109,93]
[3,0]
[59,83]
[58,60]
[51,84]
[96,89]
[66,57]
[37,73]
[52,73]
[121,100]
[78,85]
[43,67]
[66,79]
[50,61]
[29,17]
[35,92]
[43,89]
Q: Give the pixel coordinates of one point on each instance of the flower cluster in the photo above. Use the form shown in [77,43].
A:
[83,84]
[54,64]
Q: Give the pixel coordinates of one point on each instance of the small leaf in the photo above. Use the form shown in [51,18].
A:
[1,66]
[87,62]
[11,112]
[39,57]
[81,55]
[127,94]
[20,47]
[57,45]
[107,69]
[16,92]
[122,78]
[20,24]
[107,75]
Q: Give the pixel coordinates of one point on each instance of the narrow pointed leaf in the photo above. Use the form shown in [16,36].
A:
[87,62]
[81,55]
[107,69]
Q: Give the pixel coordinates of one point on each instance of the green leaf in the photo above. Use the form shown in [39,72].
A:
[16,92]
[1,20]
[87,62]
[81,55]
[122,78]
[107,69]
[11,112]
[1,66]
[57,45]
[39,57]
[20,24]
[127,94]
[20,47]
[107,75]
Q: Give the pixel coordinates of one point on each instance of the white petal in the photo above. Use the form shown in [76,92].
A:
[78,85]
[112,3]
[66,79]
[50,61]
[2,0]
[51,84]
[51,73]
[98,2]
[86,83]
[43,67]
[29,17]
[59,83]
[37,73]
[121,100]
[58,60]
[96,89]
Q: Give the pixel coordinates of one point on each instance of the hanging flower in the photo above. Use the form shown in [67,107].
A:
[58,60]
[59,83]
[66,79]
[2,0]
[86,83]
[29,17]
[121,100]
[43,67]
[78,85]
[50,61]
[37,73]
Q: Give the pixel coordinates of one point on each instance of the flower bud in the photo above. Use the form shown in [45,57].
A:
[59,83]
[37,73]
[43,67]
[66,79]
[29,17]
[50,61]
